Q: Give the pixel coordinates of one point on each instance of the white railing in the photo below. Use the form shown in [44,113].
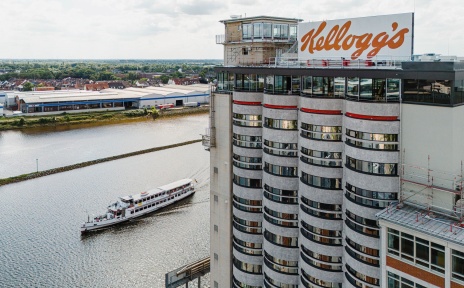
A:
[220,39]
[378,62]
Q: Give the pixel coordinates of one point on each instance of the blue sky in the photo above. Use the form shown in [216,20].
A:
[176,29]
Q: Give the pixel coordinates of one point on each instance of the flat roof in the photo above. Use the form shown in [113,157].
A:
[66,97]
[418,220]
[110,93]
[254,18]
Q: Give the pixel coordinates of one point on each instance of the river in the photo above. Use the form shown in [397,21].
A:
[40,244]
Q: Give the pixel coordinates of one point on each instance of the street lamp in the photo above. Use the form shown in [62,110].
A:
[37,164]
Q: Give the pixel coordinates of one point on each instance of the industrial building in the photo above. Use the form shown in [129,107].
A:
[336,167]
[72,101]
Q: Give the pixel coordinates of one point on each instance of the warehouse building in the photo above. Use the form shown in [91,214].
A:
[74,101]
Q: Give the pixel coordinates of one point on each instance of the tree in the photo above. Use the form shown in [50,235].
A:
[28,86]
[132,76]
[154,113]
[164,79]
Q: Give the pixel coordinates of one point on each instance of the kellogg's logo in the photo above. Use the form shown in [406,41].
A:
[339,38]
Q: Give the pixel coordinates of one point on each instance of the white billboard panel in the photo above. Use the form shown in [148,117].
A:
[357,38]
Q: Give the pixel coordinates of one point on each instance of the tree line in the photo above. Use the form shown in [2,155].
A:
[100,70]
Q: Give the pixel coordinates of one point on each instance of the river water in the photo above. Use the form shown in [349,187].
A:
[40,244]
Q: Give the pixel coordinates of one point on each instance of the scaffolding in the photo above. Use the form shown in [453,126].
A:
[435,191]
[188,273]
[208,139]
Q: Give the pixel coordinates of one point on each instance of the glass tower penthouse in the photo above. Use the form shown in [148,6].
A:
[313,159]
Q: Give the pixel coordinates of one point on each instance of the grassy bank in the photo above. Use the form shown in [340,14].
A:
[34,175]
[23,122]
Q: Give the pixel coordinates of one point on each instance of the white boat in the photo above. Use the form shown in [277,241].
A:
[133,206]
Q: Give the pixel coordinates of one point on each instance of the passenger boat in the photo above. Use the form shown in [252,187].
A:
[133,206]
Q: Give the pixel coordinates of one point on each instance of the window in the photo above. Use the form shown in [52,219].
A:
[281,170]
[267,30]
[252,206]
[249,248]
[362,225]
[395,281]
[280,31]
[323,86]
[282,196]
[252,163]
[458,91]
[386,169]
[281,149]
[247,267]
[293,32]
[353,275]
[308,280]
[427,91]
[362,253]
[321,158]
[247,120]
[321,261]
[280,219]
[425,254]
[352,88]
[270,282]
[281,124]
[238,284]
[321,210]
[318,132]
[281,240]
[247,30]
[322,236]
[279,265]
[321,182]
[257,31]
[278,84]
[247,182]
[339,87]
[247,141]
[249,82]
[251,227]
[457,266]
[307,85]
[374,141]
[378,200]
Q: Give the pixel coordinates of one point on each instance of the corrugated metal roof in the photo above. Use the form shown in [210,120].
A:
[109,94]
[419,220]
[68,97]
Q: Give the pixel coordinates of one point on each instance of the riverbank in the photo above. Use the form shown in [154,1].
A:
[24,177]
[106,117]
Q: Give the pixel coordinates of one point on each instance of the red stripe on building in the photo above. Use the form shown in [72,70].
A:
[371,117]
[247,103]
[316,111]
[279,106]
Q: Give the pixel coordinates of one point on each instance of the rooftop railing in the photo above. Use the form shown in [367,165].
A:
[378,62]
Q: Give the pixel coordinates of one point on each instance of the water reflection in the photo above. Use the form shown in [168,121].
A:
[54,147]
[39,234]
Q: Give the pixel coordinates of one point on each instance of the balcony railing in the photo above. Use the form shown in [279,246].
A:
[378,62]
[220,39]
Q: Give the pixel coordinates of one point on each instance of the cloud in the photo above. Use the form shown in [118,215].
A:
[199,7]
[187,28]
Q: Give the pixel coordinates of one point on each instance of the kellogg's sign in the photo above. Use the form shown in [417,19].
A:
[358,38]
